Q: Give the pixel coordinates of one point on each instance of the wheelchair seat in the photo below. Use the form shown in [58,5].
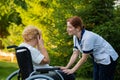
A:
[26,70]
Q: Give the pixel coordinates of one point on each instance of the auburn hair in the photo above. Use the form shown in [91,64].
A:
[76,21]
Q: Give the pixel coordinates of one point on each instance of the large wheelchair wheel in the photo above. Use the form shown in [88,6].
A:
[39,77]
[12,75]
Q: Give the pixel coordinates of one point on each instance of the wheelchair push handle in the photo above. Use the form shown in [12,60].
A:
[12,46]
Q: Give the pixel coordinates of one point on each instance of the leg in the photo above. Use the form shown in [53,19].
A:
[107,71]
[95,71]
[67,77]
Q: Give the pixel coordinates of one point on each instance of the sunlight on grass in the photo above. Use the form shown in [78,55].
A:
[6,68]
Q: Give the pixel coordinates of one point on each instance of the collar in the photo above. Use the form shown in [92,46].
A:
[83,31]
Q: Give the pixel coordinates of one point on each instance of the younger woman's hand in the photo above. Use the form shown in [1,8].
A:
[62,68]
[68,71]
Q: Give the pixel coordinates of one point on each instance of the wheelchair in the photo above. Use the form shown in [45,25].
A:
[26,70]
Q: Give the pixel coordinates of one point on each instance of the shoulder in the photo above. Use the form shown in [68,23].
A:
[90,34]
[24,45]
[28,46]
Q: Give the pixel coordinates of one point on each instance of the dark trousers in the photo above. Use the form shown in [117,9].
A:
[67,77]
[104,72]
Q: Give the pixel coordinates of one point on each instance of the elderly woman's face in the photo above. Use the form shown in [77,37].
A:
[70,29]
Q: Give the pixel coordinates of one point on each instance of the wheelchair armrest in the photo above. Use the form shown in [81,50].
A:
[47,69]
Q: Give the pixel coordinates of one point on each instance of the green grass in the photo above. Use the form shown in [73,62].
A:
[7,68]
[83,79]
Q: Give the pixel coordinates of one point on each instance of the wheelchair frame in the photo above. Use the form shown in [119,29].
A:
[26,71]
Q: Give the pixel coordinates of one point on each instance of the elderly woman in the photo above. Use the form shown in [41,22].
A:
[40,58]
[34,42]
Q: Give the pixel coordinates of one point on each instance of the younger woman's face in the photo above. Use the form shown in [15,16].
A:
[70,29]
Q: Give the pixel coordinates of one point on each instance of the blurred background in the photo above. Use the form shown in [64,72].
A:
[99,16]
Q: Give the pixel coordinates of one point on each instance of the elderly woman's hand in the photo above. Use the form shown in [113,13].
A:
[40,42]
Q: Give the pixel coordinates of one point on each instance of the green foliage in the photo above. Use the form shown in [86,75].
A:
[21,3]
[50,17]
[14,37]
[96,12]
[7,15]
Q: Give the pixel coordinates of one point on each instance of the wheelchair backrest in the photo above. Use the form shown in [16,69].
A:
[24,61]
